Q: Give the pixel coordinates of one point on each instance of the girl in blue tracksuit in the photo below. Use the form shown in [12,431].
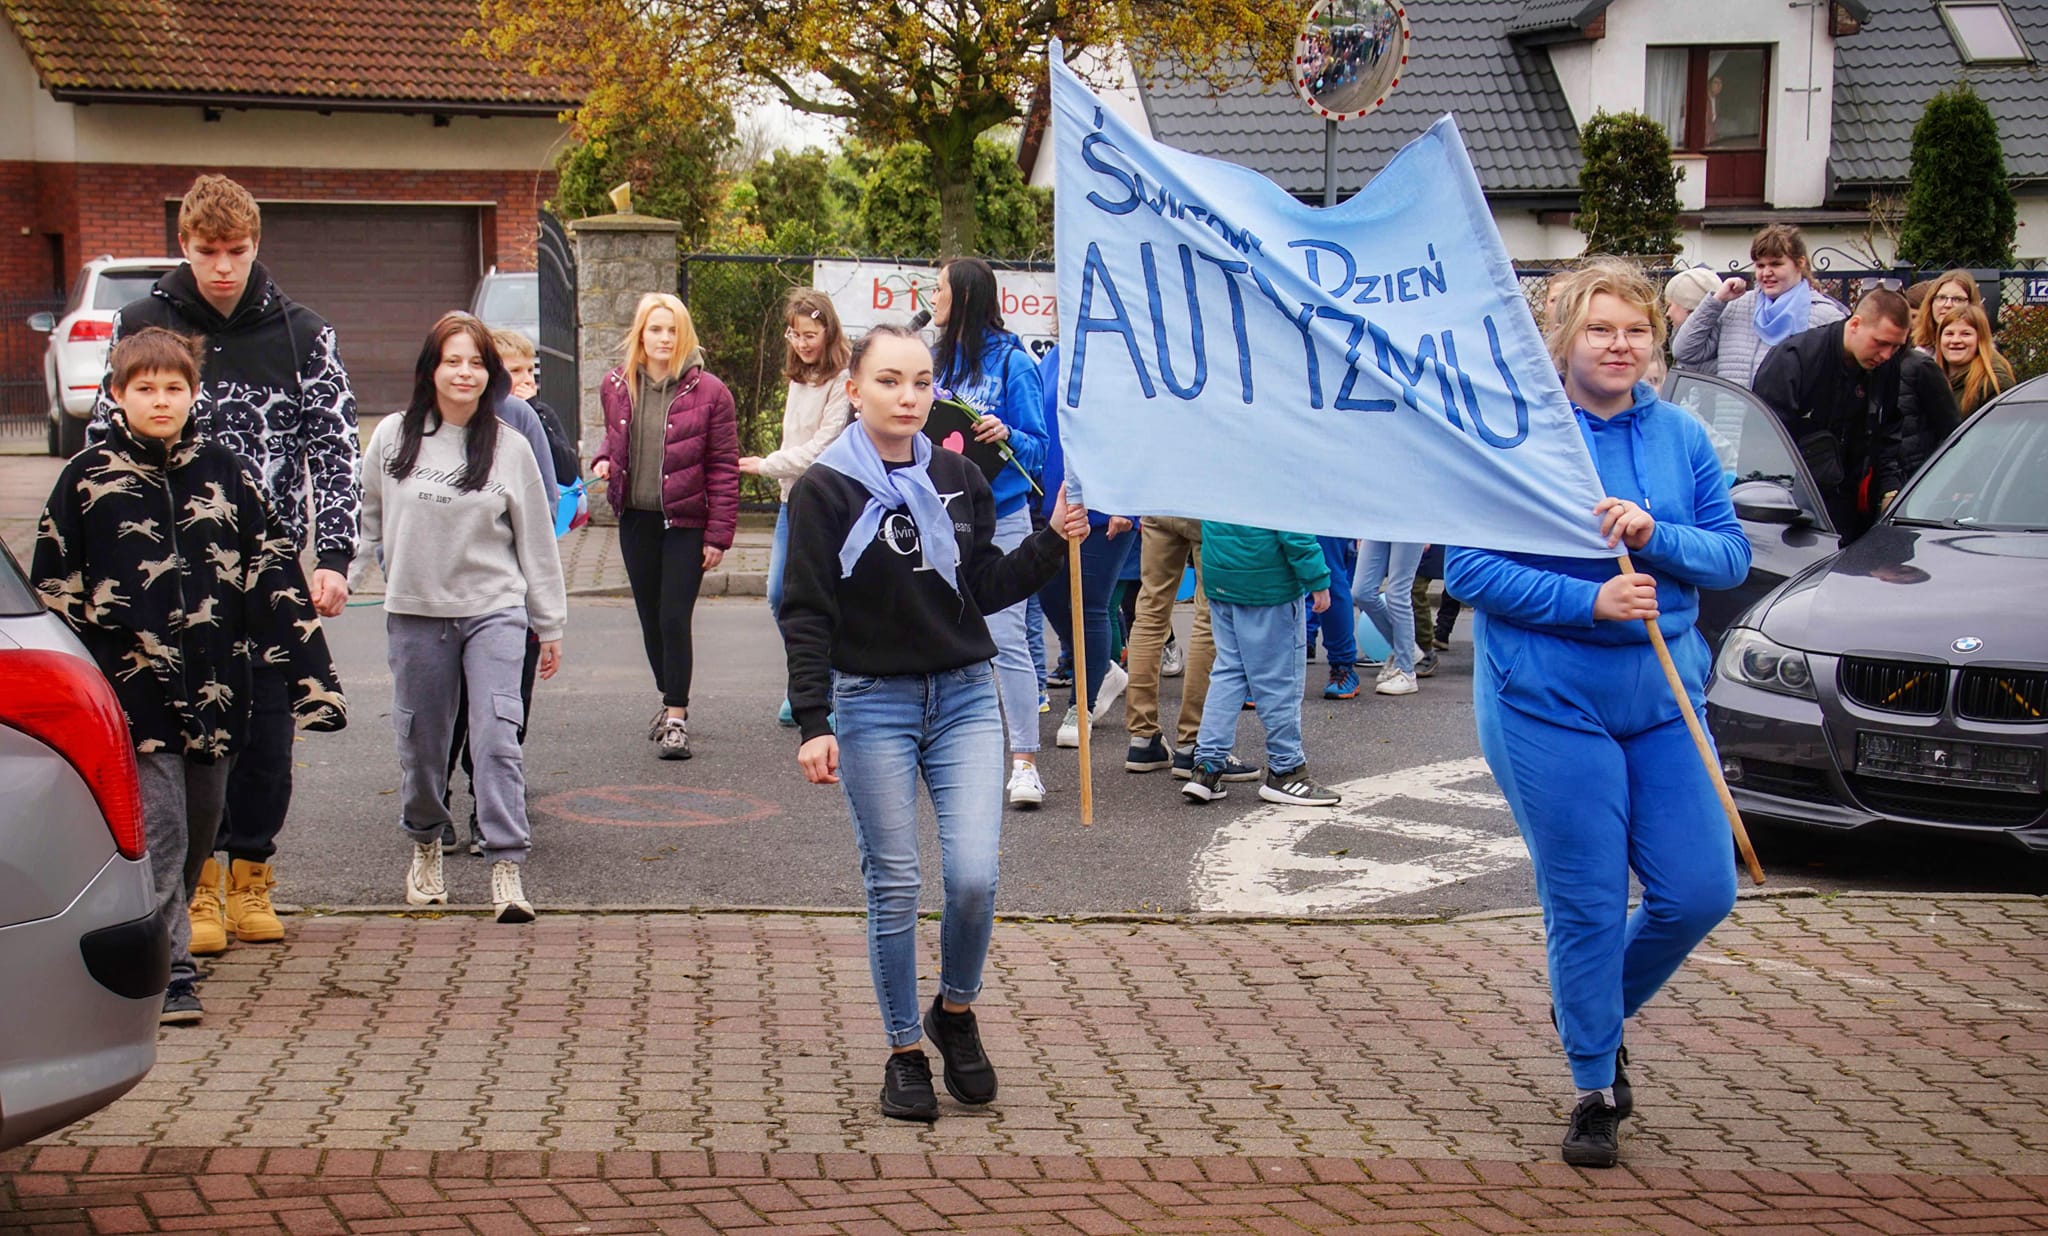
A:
[1575,717]
[989,369]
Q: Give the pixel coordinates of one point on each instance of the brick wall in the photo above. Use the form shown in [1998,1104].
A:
[119,208]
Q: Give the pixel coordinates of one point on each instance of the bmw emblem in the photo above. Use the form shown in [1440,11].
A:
[1968,643]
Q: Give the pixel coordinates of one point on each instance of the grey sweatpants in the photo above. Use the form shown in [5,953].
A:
[431,659]
[181,806]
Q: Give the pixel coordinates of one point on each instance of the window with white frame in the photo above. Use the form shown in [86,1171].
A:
[1984,32]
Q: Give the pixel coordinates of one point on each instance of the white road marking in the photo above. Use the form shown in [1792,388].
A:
[1259,864]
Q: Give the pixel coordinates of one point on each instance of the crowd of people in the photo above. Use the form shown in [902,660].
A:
[911,585]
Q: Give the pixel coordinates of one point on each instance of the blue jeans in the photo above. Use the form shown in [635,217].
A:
[1034,638]
[944,726]
[1392,612]
[778,557]
[1102,560]
[1340,638]
[1259,656]
[1016,681]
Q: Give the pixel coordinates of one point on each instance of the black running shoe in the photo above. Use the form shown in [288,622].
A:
[1062,676]
[1624,1094]
[181,1004]
[1297,787]
[1147,755]
[907,1088]
[970,1078]
[1205,785]
[1594,1138]
[1234,769]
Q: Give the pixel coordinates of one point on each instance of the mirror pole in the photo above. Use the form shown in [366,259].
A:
[1329,163]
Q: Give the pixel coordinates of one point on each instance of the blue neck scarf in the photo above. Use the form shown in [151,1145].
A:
[853,455]
[1780,319]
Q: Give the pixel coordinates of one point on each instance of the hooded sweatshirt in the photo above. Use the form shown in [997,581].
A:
[272,390]
[165,561]
[1657,456]
[1009,387]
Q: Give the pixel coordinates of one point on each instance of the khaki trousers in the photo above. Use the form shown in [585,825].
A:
[1168,547]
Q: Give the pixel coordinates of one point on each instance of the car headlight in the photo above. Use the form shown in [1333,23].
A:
[1748,658]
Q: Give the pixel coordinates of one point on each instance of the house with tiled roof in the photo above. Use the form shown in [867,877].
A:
[1800,111]
[394,164]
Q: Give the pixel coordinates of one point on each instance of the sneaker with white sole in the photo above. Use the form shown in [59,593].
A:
[508,893]
[1148,755]
[1297,787]
[1070,728]
[1173,662]
[1114,680]
[423,883]
[674,742]
[1386,671]
[1400,682]
[1026,790]
[1234,769]
[1205,785]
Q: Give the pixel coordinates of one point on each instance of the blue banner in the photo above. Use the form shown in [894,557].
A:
[1367,370]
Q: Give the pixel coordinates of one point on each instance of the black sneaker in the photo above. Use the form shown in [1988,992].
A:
[1147,755]
[449,843]
[1062,676]
[1205,784]
[181,1004]
[476,837]
[1594,1138]
[1234,769]
[1624,1094]
[1297,787]
[1426,667]
[970,1078]
[907,1088]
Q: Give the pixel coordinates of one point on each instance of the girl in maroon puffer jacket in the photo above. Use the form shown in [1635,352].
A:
[670,463]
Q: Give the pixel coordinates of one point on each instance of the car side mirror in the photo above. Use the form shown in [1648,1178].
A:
[42,323]
[1766,502]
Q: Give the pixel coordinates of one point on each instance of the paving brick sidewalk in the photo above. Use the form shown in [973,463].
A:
[1886,1057]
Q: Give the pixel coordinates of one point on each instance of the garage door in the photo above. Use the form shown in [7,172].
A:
[380,274]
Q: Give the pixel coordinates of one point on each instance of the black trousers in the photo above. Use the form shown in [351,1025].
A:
[665,567]
[260,784]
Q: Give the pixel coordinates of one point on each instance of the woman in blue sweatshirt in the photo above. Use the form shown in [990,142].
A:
[1575,717]
[991,371]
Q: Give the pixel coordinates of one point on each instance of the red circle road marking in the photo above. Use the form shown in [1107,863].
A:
[656,806]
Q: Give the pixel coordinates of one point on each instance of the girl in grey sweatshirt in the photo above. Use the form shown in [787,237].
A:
[454,506]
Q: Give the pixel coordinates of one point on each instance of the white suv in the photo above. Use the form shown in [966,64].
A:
[76,359]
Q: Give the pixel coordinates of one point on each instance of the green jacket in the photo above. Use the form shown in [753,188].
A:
[1257,566]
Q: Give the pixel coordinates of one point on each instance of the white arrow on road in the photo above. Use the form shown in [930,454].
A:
[1261,863]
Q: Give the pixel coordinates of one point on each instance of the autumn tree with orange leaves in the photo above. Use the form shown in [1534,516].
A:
[940,72]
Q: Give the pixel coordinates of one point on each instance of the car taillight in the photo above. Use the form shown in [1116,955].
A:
[91,330]
[65,703]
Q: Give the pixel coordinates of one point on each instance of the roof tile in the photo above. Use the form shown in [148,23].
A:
[363,51]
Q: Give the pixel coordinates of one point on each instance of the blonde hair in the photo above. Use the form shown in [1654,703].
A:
[1925,330]
[216,208]
[686,332]
[1989,372]
[811,304]
[1614,276]
[512,344]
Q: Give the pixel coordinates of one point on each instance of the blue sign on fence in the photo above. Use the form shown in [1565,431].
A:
[2036,292]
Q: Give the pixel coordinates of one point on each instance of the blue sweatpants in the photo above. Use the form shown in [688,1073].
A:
[1339,625]
[1594,758]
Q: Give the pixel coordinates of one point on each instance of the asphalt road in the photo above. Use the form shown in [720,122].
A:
[1422,829]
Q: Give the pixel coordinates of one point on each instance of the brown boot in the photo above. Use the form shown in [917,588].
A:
[209,927]
[248,906]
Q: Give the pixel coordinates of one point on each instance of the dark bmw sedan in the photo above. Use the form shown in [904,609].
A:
[1904,681]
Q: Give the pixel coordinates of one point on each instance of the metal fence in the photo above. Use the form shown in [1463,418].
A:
[24,399]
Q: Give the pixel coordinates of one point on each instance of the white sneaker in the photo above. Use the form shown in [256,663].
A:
[1387,671]
[1026,790]
[1114,680]
[1173,662]
[1070,728]
[1400,682]
[508,894]
[423,883]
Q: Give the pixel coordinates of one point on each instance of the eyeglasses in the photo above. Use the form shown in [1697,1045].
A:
[1951,298]
[1639,338]
[793,337]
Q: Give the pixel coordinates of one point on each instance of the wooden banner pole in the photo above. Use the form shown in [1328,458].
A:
[1079,646]
[1699,741]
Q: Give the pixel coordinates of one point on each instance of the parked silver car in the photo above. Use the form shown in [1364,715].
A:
[84,959]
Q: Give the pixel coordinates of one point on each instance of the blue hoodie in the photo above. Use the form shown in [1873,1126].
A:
[1657,456]
[1009,387]
[1056,457]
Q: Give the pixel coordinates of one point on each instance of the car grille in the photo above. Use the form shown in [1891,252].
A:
[1947,803]
[1785,780]
[1915,688]
[1991,694]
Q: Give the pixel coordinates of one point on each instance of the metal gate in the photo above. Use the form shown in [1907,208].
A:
[559,386]
[24,399]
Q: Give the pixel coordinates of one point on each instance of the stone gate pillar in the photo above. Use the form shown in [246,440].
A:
[619,258]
